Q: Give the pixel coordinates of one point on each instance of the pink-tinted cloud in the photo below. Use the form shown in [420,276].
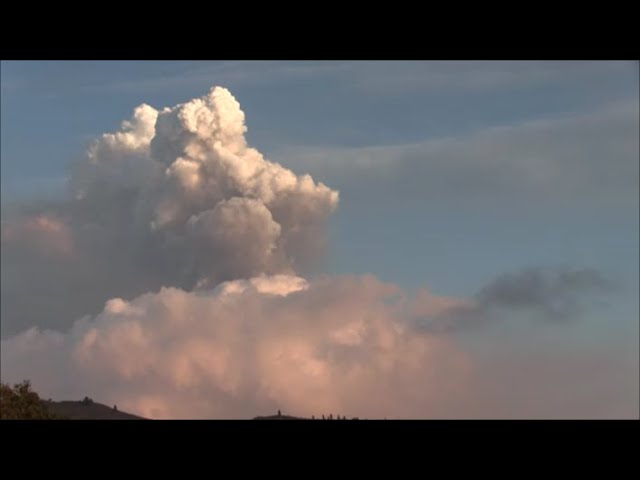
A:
[41,234]
[341,345]
[246,347]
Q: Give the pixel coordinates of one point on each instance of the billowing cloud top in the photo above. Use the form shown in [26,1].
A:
[184,178]
[175,198]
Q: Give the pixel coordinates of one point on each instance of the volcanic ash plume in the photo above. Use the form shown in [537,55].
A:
[184,179]
[175,198]
[339,344]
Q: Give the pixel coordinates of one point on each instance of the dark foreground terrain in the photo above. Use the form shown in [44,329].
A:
[80,410]
[288,417]
[280,417]
[20,402]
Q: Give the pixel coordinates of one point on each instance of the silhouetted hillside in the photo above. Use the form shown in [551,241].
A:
[279,416]
[88,410]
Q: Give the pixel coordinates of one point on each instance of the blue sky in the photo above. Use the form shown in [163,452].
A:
[450,173]
[319,116]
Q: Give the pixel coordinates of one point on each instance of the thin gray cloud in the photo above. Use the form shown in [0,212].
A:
[230,73]
[589,158]
[376,77]
[552,293]
[543,294]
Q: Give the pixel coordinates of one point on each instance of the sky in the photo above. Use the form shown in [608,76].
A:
[495,202]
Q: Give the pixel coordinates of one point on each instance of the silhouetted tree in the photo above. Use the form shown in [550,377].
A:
[22,403]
